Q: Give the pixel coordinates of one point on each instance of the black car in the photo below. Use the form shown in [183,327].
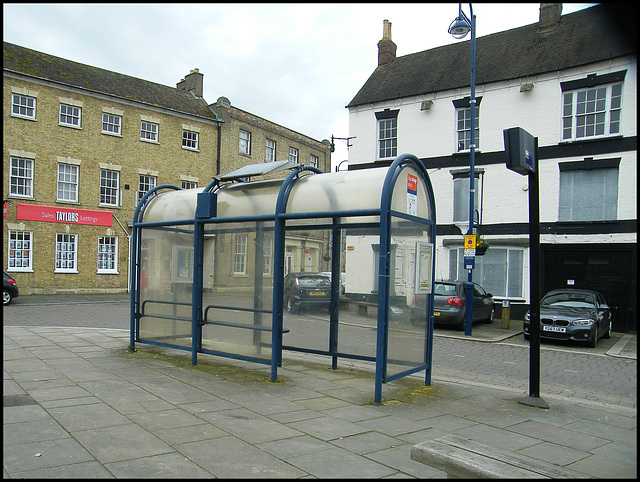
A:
[572,314]
[9,288]
[449,304]
[305,290]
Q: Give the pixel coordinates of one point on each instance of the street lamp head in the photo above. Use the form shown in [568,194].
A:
[459,28]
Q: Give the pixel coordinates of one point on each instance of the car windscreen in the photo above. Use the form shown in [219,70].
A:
[569,300]
[444,289]
[314,282]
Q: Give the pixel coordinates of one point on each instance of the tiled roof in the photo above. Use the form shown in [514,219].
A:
[48,67]
[591,35]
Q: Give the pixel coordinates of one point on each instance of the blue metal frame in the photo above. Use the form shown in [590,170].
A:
[279,219]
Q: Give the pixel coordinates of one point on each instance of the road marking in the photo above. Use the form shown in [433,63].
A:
[510,363]
[572,371]
[459,356]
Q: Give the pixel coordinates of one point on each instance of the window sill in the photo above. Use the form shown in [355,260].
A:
[112,134]
[192,149]
[70,126]
[150,141]
[23,117]
[590,139]
[24,198]
[107,272]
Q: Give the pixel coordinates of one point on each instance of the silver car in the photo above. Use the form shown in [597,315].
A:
[572,314]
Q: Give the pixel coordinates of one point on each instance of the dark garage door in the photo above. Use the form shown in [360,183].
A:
[610,269]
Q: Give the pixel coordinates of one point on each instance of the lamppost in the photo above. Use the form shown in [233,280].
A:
[459,28]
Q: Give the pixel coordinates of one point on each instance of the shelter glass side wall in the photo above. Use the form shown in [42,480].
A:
[407,333]
[309,325]
[237,294]
[166,281]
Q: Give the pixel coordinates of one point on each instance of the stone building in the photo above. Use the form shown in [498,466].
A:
[83,144]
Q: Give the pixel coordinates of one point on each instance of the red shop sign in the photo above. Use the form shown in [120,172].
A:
[33,212]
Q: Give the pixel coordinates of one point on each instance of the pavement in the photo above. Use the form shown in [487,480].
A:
[79,404]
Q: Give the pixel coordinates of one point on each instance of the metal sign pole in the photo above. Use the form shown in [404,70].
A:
[534,399]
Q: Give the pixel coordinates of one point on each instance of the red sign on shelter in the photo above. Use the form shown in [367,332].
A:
[51,214]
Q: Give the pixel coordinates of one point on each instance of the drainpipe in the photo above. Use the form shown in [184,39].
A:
[129,253]
[219,147]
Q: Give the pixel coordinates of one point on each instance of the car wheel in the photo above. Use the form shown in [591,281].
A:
[526,337]
[607,333]
[6,297]
[594,341]
[491,315]
[291,307]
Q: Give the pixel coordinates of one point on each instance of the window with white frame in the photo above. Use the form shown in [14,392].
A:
[293,154]
[500,271]
[66,253]
[188,184]
[107,255]
[21,177]
[591,107]
[240,254]
[314,161]
[145,184]
[109,185]
[463,128]
[189,139]
[589,190]
[461,195]
[387,136]
[23,106]
[148,131]
[70,115]
[111,123]
[244,144]
[67,182]
[20,251]
[270,151]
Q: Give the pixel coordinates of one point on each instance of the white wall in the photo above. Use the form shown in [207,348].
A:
[431,133]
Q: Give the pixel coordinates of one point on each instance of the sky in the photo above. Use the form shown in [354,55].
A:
[295,64]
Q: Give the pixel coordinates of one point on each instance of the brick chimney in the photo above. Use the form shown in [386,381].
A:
[386,47]
[192,83]
[550,14]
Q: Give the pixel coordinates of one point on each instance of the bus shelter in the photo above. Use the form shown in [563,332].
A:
[209,266]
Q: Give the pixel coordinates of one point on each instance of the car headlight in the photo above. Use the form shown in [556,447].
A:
[582,322]
[527,316]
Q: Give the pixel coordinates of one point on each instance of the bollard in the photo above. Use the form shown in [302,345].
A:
[506,315]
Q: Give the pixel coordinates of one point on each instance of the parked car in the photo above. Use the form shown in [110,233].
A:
[9,288]
[449,304]
[305,290]
[572,314]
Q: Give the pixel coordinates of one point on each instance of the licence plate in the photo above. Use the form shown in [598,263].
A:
[436,313]
[317,293]
[557,329]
